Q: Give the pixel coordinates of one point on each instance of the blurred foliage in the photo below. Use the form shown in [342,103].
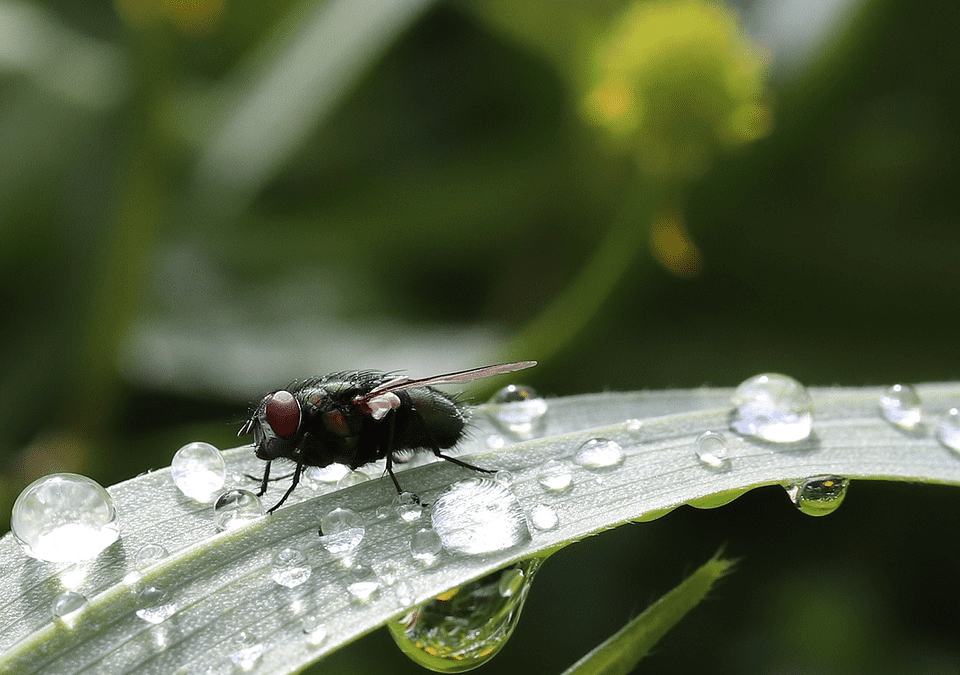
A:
[203,199]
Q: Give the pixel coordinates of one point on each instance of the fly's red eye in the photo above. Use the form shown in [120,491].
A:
[336,422]
[283,413]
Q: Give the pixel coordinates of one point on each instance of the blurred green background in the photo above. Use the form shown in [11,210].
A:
[201,200]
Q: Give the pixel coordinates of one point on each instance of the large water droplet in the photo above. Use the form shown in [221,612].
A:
[68,605]
[467,626]
[599,453]
[154,604]
[236,508]
[64,517]
[948,430]
[711,449]
[900,405]
[290,567]
[519,410]
[199,471]
[341,531]
[819,495]
[477,516]
[774,408]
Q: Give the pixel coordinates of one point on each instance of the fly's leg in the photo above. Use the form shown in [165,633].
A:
[460,462]
[389,454]
[264,480]
[274,479]
[293,485]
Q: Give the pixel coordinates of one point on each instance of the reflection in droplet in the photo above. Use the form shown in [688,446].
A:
[711,449]
[466,627]
[772,407]
[362,583]
[68,605]
[519,410]
[199,471]
[425,544]
[544,517]
[948,430]
[64,517]
[154,604]
[479,515]
[555,476]
[290,567]
[341,531]
[900,405]
[236,508]
[599,453]
[819,495]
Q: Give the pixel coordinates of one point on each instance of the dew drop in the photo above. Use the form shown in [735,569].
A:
[466,627]
[68,605]
[64,517]
[900,405]
[519,410]
[599,453]
[362,583]
[555,476]
[948,430]
[199,471]
[236,508]
[314,629]
[154,604]
[352,478]
[247,650]
[148,554]
[341,531]
[819,495]
[290,567]
[544,517]
[407,506]
[772,407]
[479,515]
[711,449]
[505,477]
[425,544]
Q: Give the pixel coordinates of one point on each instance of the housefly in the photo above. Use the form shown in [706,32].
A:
[358,417]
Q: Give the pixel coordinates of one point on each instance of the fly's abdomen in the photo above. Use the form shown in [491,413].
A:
[435,420]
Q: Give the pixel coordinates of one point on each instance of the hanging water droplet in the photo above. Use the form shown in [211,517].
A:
[407,505]
[326,474]
[154,604]
[341,531]
[362,583]
[477,516]
[68,605]
[64,517]
[199,471]
[236,508]
[290,567]
[425,544]
[467,626]
[712,450]
[247,650]
[819,495]
[519,410]
[900,405]
[772,407]
[599,453]
[148,554]
[314,629]
[544,517]
[948,430]
[555,476]
[352,478]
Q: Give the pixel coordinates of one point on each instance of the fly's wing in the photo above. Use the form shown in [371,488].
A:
[401,383]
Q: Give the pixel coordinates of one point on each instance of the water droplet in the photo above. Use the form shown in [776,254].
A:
[352,478]
[555,476]
[425,544]
[327,474]
[948,430]
[900,405]
[362,583]
[236,508]
[599,453]
[290,567]
[504,476]
[247,650]
[634,425]
[154,604]
[314,629]
[772,407]
[148,554]
[544,517]
[519,410]
[199,471]
[68,605]
[712,450]
[496,441]
[477,516]
[341,531]
[407,506]
[64,517]
[465,627]
[818,496]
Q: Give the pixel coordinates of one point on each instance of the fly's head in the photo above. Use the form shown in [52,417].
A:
[274,425]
